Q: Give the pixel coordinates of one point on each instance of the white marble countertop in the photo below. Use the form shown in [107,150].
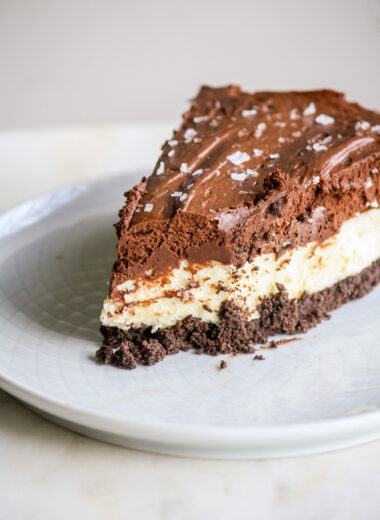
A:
[49,472]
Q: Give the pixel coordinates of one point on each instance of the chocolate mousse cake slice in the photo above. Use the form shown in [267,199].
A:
[261,216]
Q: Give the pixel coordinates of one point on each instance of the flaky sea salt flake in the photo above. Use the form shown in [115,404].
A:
[254,173]
[238,176]
[238,158]
[161,168]
[362,125]
[200,119]
[184,168]
[294,114]
[148,207]
[260,129]
[318,147]
[309,110]
[189,135]
[324,119]
[249,113]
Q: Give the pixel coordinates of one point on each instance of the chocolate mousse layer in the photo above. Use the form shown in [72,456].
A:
[248,174]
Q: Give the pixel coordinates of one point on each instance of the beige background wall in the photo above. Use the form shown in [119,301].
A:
[100,61]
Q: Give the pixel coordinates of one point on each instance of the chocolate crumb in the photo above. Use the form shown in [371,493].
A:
[277,343]
[222,365]
[276,208]
[220,288]
[233,333]
[284,341]
[259,356]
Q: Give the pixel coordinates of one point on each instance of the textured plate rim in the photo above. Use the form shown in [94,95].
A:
[359,425]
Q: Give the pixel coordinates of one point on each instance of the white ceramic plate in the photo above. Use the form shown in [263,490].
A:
[56,253]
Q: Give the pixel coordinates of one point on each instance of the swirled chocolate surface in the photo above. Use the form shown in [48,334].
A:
[250,173]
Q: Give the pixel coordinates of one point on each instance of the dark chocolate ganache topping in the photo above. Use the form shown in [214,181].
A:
[231,141]
[244,175]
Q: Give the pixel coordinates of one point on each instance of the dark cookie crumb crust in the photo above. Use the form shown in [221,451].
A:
[233,333]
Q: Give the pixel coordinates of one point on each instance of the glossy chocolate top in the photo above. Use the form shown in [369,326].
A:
[230,141]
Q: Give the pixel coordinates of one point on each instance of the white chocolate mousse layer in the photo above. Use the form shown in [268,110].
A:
[199,290]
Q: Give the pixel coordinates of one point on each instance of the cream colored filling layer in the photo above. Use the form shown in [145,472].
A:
[196,290]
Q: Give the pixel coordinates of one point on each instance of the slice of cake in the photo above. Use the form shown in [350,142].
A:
[261,216]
